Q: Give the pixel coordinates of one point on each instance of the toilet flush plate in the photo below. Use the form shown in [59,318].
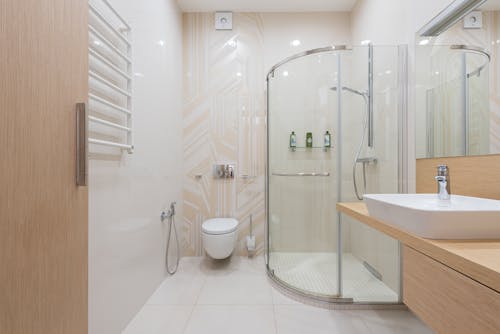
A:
[223,171]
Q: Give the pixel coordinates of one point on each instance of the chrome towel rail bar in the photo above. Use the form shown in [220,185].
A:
[108,123]
[111,85]
[109,143]
[107,62]
[109,104]
[302,174]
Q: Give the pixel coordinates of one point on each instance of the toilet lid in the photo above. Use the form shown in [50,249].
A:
[219,225]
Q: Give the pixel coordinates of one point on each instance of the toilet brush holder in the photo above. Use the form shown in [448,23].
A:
[251,239]
[251,243]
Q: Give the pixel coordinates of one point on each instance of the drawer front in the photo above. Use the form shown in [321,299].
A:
[446,300]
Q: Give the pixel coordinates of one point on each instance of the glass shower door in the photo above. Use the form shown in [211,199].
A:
[302,180]
[312,249]
[370,260]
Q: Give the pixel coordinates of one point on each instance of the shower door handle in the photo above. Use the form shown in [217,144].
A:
[81,144]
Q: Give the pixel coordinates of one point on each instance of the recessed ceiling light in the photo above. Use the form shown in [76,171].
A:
[295,42]
[161,42]
[424,42]
[285,73]
[238,74]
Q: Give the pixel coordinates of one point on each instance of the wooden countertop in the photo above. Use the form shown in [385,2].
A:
[477,259]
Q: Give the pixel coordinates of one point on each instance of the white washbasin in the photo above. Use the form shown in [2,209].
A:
[426,216]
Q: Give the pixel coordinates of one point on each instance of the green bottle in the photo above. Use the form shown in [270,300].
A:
[309,139]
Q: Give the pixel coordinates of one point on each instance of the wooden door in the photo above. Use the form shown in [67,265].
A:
[43,214]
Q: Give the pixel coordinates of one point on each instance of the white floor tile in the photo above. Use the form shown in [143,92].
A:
[160,319]
[180,289]
[207,296]
[239,265]
[281,299]
[301,319]
[393,322]
[234,319]
[236,290]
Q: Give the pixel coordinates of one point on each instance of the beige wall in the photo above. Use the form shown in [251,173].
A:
[127,239]
[224,110]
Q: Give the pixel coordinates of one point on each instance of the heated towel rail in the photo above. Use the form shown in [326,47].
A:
[110,78]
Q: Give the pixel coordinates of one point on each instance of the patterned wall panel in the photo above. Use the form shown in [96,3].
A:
[223,121]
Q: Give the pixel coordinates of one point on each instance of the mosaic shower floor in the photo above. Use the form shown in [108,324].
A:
[317,273]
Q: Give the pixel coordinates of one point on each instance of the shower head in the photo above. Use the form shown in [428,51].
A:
[352,90]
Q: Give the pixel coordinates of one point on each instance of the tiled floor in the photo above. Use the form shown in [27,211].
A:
[236,297]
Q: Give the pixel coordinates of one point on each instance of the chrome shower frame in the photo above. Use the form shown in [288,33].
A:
[466,85]
[329,301]
[370,95]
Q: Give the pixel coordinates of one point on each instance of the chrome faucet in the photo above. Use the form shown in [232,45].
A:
[443,182]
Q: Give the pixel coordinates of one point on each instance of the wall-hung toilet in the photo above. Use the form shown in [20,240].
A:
[219,237]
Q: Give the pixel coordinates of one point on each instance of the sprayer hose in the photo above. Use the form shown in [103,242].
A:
[170,225]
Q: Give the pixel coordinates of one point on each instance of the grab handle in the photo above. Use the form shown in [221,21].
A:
[81,144]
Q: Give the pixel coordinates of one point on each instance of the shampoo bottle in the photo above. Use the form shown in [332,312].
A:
[309,139]
[328,139]
[293,140]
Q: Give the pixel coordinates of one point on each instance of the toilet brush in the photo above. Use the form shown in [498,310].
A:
[251,239]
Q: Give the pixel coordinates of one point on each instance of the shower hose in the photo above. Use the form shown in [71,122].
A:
[356,158]
[171,226]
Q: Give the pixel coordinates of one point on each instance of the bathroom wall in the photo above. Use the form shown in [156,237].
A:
[386,22]
[224,110]
[127,239]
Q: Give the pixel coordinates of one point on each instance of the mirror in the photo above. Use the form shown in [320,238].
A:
[457,89]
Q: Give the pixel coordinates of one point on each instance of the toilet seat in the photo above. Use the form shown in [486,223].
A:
[217,226]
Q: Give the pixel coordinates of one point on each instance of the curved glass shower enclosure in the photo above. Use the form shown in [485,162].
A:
[453,96]
[356,94]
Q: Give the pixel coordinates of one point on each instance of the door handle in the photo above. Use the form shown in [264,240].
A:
[81,144]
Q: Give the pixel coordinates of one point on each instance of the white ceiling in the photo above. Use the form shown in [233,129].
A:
[266,5]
